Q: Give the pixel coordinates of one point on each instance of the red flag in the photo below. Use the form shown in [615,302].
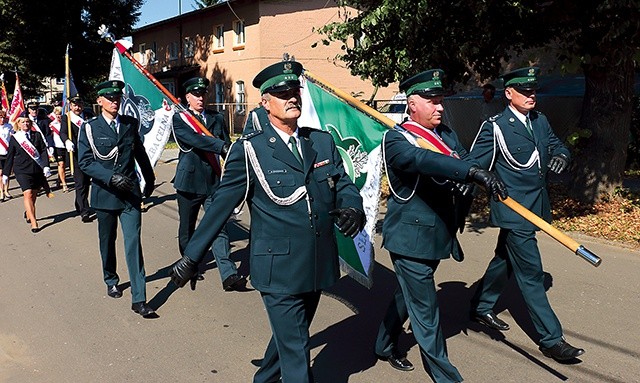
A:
[4,101]
[17,103]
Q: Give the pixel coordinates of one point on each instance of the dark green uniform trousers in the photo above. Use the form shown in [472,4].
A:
[517,253]
[188,208]
[290,317]
[417,301]
[131,221]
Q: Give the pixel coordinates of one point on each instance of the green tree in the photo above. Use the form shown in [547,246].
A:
[386,40]
[37,32]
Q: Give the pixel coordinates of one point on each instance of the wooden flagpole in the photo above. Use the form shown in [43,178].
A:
[556,234]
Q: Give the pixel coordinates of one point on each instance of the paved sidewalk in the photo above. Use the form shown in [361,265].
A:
[57,324]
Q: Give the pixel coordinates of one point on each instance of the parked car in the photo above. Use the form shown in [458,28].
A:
[396,109]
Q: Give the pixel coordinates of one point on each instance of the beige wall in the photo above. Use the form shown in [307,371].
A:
[272,27]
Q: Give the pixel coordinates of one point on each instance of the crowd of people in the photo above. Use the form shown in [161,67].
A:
[295,186]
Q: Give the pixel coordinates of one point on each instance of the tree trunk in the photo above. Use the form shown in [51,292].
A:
[599,160]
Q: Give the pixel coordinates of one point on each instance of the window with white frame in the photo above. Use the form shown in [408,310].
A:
[153,58]
[240,98]
[219,88]
[173,50]
[189,47]
[219,37]
[238,32]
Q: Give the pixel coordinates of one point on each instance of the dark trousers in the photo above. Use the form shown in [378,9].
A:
[517,254]
[131,221]
[288,354]
[416,299]
[188,208]
[82,184]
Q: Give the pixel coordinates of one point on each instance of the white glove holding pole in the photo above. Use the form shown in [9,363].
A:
[47,171]
[69,145]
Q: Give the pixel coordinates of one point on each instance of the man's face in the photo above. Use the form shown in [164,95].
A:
[522,100]
[76,107]
[33,111]
[195,99]
[283,106]
[110,103]
[426,111]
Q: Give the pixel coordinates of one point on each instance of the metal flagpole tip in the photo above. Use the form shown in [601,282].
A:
[589,256]
[103,31]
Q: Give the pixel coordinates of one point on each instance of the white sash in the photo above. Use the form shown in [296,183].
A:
[27,146]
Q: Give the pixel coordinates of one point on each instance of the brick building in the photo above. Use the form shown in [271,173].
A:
[230,42]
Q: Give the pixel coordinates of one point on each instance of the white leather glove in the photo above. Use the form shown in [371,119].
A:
[46,171]
[69,145]
[5,179]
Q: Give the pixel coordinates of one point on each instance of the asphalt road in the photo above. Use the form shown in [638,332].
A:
[58,325]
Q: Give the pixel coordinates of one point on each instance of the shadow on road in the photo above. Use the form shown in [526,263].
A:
[349,344]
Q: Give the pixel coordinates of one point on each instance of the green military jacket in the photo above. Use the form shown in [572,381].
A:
[293,247]
[101,166]
[194,173]
[421,220]
[521,161]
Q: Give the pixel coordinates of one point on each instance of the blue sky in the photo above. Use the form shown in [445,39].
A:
[156,10]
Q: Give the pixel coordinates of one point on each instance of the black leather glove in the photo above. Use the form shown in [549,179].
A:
[490,181]
[224,151]
[122,183]
[350,220]
[558,163]
[149,187]
[183,271]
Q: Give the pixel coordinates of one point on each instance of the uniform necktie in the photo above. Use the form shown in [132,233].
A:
[294,149]
[28,136]
[112,124]
[528,126]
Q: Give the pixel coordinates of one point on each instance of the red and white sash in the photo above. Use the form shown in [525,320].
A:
[430,136]
[194,123]
[77,120]
[55,128]
[27,146]
[4,144]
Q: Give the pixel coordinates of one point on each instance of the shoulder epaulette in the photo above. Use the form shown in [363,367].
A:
[92,119]
[494,118]
[251,134]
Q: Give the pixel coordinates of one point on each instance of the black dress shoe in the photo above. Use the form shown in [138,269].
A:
[143,309]
[233,282]
[87,218]
[398,362]
[562,351]
[490,320]
[114,291]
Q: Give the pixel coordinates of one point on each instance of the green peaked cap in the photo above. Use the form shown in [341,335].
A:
[111,86]
[278,77]
[427,83]
[523,78]
[195,83]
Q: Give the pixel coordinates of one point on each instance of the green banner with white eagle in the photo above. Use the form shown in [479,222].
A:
[358,138]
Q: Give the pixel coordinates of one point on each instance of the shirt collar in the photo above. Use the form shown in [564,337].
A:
[284,136]
[520,116]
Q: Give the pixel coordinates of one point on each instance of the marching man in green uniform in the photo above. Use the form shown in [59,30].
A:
[420,225]
[198,173]
[298,191]
[108,147]
[521,147]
